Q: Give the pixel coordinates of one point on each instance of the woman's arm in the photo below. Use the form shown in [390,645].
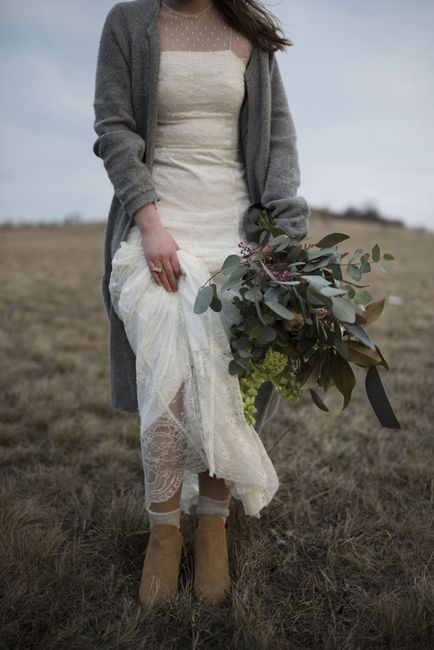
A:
[288,211]
[122,148]
[119,144]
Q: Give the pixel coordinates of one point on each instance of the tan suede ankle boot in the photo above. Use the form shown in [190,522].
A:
[211,564]
[161,565]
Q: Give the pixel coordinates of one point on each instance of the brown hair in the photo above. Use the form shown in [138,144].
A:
[251,19]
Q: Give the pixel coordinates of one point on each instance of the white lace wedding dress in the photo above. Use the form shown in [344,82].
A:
[190,407]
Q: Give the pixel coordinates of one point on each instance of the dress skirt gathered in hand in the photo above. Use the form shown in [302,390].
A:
[191,409]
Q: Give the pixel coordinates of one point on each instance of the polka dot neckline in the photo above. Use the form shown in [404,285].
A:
[184,15]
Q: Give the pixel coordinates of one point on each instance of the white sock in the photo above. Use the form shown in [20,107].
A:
[208,506]
[172,517]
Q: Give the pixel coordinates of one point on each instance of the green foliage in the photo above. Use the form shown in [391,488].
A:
[301,322]
[271,368]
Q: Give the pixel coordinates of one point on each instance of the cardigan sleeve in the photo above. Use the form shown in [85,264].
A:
[287,210]
[119,143]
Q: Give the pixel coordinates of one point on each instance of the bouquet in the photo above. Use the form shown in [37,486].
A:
[301,324]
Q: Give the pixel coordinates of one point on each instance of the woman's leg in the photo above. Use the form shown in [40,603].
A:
[170,504]
[214,496]
[212,487]
[211,559]
[164,462]
[169,511]
[166,512]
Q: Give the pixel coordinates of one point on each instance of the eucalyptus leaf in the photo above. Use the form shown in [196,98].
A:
[252,294]
[343,309]
[365,267]
[282,246]
[259,312]
[317,280]
[314,298]
[279,309]
[363,297]
[216,304]
[230,264]
[341,347]
[317,264]
[275,241]
[375,253]
[235,368]
[332,291]
[336,271]
[271,293]
[257,354]
[339,344]
[268,318]
[294,253]
[360,334]
[234,279]
[388,256]
[331,240]
[289,283]
[268,272]
[263,333]
[243,343]
[323,252]
[357,253]
[203,299]
[354,271]
[350,291]
[359,286]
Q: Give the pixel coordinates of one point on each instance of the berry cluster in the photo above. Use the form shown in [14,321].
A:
[245,250]
[283,275]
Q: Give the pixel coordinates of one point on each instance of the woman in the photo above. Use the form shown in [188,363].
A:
[196,136]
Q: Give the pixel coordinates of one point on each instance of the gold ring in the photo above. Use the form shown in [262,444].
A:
[157,269]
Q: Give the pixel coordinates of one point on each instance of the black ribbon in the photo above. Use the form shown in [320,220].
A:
[379,400]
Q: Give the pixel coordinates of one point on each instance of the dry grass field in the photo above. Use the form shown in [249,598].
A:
[341,559]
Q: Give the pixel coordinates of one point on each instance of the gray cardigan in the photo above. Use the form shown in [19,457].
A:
[125,123]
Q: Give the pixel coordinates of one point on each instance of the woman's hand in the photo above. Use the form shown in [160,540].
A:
[159,247]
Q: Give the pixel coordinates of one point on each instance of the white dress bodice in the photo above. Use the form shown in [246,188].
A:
[198,170]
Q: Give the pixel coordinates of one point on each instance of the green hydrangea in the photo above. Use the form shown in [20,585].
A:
[273,364]
[275,367]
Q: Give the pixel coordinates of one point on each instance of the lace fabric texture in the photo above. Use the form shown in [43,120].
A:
[191,410]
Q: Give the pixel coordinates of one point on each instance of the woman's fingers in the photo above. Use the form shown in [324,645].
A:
[166,277]
[165,281]
[167,266]
[175,265]
[160,248]
[155,275]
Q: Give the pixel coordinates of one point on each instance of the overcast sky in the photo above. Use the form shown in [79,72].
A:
[359,83]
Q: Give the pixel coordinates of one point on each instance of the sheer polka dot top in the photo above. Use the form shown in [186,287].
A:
[205,31]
